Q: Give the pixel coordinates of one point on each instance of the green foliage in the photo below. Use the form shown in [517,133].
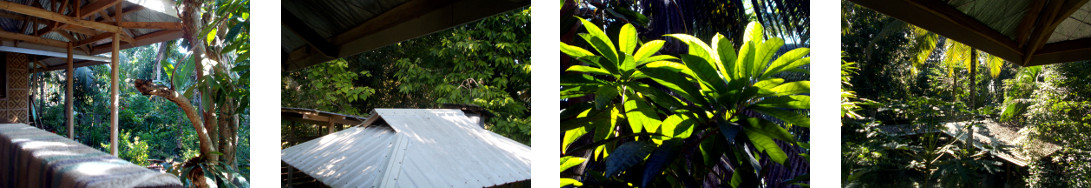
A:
[621,98]
[330,88]
[131,149]
[1045,103]
[1058,110]
[484,63]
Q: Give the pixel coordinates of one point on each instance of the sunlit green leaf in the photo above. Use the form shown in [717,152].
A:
[766,145]
[575,51]
[586,69]
[647,50]
[570,161]
[641,115]
[628,39]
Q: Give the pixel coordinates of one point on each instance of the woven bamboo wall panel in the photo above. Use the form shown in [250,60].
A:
[14,108]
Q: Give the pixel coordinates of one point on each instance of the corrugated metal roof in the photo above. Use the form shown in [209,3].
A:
[414,148]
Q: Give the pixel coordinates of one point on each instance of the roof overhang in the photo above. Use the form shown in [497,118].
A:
[1027,33]
[410,19]
[46,29]
[319,117]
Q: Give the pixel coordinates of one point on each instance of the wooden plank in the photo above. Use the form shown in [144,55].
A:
[49,15]
[940,18]
[33,39]
[96,6]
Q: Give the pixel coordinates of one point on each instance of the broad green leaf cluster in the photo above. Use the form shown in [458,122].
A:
[640,110]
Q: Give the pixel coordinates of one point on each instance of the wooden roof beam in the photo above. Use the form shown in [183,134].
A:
[77,29]
[101,37]
[1061,52]
[1056,13]
[149,25]
[49,15]
[96,6]
[33,39]
[321,120]
[82,30]
[943,19]
[146,39]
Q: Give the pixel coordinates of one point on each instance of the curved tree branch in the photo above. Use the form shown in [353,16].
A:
[146,87]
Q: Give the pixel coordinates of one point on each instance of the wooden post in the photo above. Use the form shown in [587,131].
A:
[114,93]
[329,126]
[68,97]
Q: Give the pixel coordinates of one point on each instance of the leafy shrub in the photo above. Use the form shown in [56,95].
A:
[643,111]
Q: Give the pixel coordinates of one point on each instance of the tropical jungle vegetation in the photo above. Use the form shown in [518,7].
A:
[208,70]
[896,74]
[484,63]
[679,111]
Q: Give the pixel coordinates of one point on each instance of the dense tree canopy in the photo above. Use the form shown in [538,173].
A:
[484,63]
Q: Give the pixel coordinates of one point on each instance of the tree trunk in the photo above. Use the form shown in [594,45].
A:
[191,23]
[159,59]
[973,79]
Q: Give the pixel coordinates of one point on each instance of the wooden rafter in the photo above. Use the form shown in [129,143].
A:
[49,15]
[149,25]
[146,39]
[1059,11]
[1022,32]
[82,30]
[101,37]
[1067,51]
[33,39]
[95,7]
